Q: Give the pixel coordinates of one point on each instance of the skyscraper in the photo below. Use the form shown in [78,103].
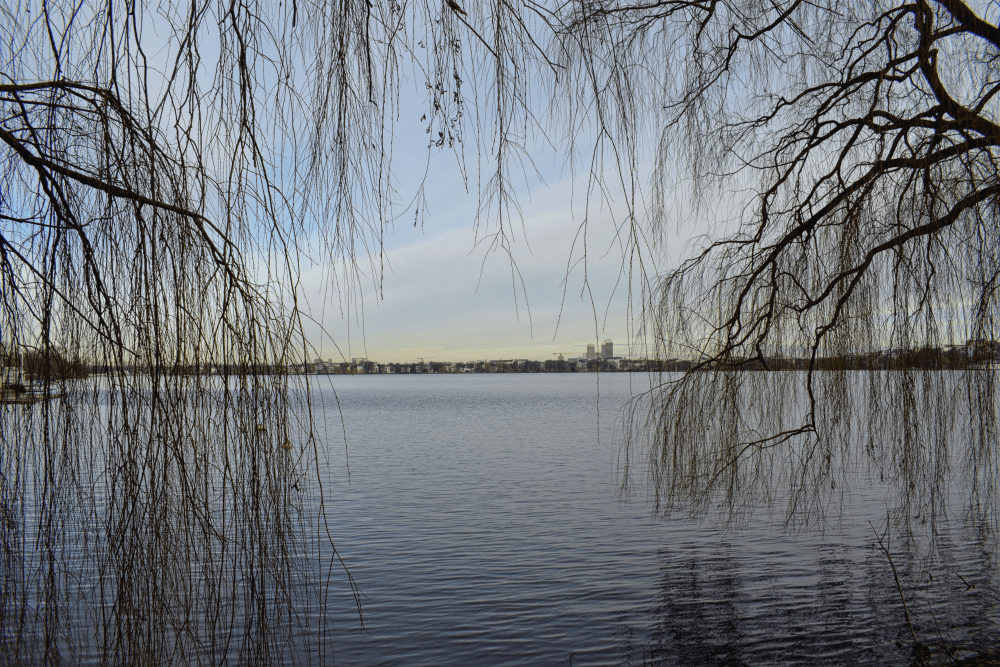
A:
[608,349]
[591,353]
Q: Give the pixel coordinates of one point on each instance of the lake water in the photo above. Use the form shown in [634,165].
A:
[481,523]
[479,518]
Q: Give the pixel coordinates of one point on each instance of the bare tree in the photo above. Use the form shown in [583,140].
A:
[167,170]
[856,143]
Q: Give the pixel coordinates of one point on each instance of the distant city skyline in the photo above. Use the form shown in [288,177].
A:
[589,352]
[571,352]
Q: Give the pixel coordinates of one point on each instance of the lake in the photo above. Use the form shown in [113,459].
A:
[479,518]
[482,526]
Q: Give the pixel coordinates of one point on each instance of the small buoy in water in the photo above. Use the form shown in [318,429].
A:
[287,445]
[260,428]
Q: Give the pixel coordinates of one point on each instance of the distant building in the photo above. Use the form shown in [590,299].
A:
[608,349]
[591,353]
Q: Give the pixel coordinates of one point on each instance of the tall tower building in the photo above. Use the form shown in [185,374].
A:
[591,353]
[608,349]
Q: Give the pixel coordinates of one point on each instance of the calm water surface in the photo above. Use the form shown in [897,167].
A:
[481,523]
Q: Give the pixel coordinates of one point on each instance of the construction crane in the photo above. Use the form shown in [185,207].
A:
[560,357]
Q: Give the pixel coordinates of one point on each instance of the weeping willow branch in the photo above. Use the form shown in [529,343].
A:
[856,146]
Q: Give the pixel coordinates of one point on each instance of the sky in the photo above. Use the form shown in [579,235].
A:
[445,295]
[446,298]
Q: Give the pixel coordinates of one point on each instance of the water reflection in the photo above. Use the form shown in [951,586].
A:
[759,602]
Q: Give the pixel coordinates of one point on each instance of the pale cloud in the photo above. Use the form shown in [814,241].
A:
[445,298]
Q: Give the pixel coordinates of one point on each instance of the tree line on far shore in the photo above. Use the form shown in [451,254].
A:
[46,365]
[50,365]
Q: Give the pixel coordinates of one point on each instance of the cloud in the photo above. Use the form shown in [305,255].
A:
[444,297]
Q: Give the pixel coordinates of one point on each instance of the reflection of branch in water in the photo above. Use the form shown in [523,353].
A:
[700,600]
[763,598]
[895,575]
